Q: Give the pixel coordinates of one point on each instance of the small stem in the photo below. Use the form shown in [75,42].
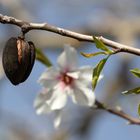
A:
[119,113]
[22,35]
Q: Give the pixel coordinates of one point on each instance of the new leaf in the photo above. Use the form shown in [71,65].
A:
[96,72]
[132,91]
[88,55]
[42,58]
[101,45]
[139,109]
[136,72]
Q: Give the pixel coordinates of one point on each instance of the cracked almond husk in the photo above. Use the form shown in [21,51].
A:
[18,59]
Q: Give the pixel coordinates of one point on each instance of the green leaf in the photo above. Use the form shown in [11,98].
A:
[40,56]
[136,72]
[96,72]
[101,45]
[132,91]
[88,55]
[139,109]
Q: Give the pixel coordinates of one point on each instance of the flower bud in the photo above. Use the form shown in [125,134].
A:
[18,59]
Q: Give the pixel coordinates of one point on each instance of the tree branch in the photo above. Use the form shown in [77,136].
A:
[118,112]
[26,27]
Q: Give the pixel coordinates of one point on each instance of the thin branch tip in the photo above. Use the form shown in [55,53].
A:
[118,112]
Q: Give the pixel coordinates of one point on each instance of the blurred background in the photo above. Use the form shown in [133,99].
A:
[117,20]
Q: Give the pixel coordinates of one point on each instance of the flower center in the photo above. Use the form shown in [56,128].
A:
[66,79]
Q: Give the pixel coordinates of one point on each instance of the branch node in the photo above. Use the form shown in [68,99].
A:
[118,50]
[100,38]
[25,28]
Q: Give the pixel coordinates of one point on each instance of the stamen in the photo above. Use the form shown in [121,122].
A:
[66,79]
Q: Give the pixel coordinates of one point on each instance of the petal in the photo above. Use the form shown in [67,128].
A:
[74,74]
[40,103]
[83,96]
[58,99]
[50,77]
[101,77]
[85,75]
[68,90]
[58,116]
[43,109]
[67,61]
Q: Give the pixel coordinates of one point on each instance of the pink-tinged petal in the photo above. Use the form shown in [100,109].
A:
[58,99]
[57,119]
[40,102]
[68,60]
[49,78]
[83,95]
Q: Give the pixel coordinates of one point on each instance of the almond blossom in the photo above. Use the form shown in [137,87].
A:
[66,80]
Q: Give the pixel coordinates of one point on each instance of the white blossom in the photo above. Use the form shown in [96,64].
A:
[63,81]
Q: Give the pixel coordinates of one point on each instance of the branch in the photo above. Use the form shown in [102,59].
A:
[27,26]
[118,112]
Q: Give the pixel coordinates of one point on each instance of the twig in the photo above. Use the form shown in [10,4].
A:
[118,112]
[26,27]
